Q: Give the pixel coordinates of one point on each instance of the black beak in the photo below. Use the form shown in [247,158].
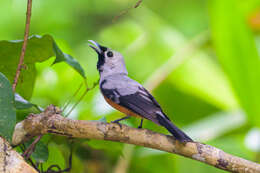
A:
[99,49]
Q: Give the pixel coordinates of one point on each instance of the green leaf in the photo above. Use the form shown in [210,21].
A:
[39,49]
[61,56]
[55,157]
[7,110]
[41,152]
[21,103]
[237,53]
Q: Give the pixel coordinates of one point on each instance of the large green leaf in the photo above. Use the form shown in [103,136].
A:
[61,56]
[7,110]
[39,49]
[237,54]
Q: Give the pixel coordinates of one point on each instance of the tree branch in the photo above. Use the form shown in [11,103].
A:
[50,121]
[137,4]
[11,161]
[26,35]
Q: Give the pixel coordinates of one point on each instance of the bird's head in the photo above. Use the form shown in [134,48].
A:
[109,61]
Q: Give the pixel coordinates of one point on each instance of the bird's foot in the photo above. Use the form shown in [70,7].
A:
[117,123]
[118,120]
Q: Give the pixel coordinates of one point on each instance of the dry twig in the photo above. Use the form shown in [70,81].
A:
[26,35]
[137,4]
[27,153]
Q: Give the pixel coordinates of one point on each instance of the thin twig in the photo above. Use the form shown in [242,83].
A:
[70,99]
[137,4]
[26,35]
[31,148]
[82,96]
[22,147]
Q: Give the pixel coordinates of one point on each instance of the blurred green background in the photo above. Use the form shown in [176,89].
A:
[199,58]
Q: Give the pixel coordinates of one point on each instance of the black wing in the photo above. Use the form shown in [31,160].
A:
[141,102]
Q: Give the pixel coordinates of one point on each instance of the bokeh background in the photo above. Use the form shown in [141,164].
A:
[199,58]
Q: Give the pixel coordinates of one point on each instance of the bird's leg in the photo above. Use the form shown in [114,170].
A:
[117,121]
[141,124]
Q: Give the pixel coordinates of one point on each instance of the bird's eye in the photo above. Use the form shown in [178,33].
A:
[109,54]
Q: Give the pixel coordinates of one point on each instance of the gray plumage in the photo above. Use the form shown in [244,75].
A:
[117,87]
[128,93]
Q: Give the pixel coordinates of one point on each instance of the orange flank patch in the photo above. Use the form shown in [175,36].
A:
[121,108]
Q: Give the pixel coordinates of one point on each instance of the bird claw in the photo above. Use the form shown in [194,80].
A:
[141,125]
[117,123]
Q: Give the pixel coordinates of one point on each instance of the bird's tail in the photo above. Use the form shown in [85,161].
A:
[174,130]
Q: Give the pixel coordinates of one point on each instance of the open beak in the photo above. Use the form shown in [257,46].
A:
[98,48]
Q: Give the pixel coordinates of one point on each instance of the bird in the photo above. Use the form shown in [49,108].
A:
[127,95]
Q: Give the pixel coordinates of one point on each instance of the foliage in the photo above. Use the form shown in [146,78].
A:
[7,110]
[217,82]
[39,49]
[237,54]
